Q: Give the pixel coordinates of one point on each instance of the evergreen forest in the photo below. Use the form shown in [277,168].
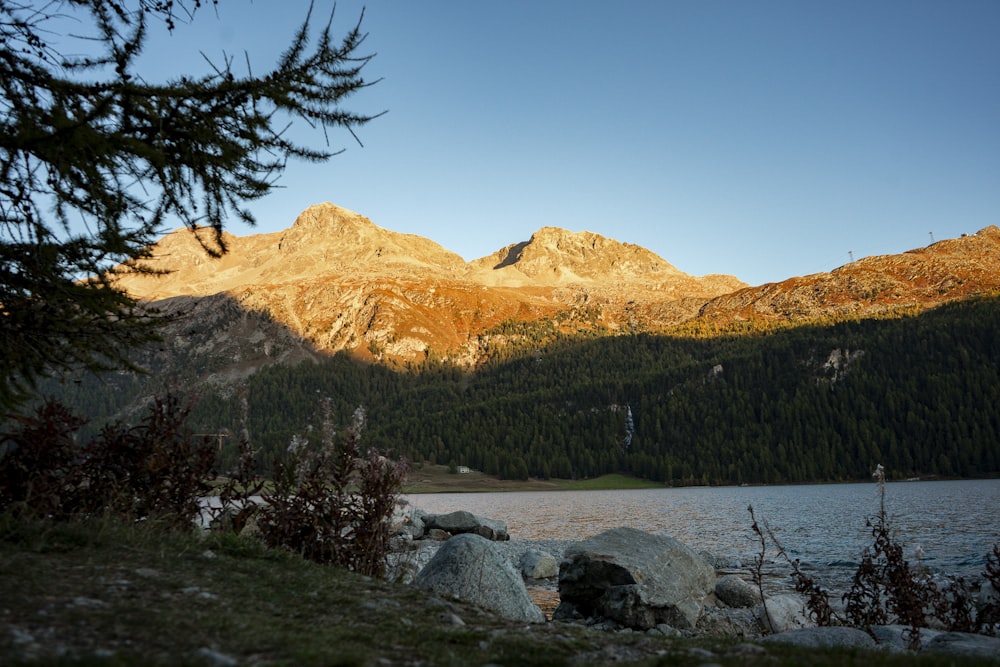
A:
[918,392]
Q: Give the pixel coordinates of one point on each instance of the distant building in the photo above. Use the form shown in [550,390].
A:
[463,469]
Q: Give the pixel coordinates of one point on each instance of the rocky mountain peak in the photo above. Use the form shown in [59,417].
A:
[556,256]
[339,240]
[327,222]
[337,281]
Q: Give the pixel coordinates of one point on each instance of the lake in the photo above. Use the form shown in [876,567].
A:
[954,523]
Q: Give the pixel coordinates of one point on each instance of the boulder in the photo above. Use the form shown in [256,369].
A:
[461,522]
[964,644]
[471,568]
[636,579]
[825,637]
[782,613]
[733,591]
[538,565]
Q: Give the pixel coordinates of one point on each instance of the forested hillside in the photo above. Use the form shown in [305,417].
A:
[918,393]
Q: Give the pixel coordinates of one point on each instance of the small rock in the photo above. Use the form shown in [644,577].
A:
[217,659]
[20,636]
[746,650]
[451,619]
[733,591]
[567,612]
[208,554]
[89,603]
[701,653]
[436,534]
[538,565]
[665,630]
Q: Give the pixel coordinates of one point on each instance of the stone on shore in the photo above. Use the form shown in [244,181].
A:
[538,565]
[782,613]
[461,522]
[734,592]
[635,579]
[825,637]
[469,567]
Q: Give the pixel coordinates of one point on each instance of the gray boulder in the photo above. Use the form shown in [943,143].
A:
[964,644]
[734,592]
[634,578]
[826,637]
[782,613]
[461,522]
[538,565]
[471,568]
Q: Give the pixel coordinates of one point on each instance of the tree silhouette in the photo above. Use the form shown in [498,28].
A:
[94,159]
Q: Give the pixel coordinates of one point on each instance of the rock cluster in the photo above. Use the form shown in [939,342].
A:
[626,579]
[420,525]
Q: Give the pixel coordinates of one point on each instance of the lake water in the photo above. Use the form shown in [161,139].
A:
[954,523]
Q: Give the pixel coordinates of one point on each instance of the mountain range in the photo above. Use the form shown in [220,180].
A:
[335,281]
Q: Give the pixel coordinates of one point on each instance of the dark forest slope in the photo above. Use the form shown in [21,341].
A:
[918,393]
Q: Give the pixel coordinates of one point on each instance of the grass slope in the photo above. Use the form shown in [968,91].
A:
[429,478]
[100,593]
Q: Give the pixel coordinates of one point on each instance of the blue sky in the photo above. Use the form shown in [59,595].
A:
[762,139]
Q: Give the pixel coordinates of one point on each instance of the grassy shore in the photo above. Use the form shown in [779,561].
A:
[104,593]
[427,478]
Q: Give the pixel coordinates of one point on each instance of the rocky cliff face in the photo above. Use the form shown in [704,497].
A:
[340,282]
[336,281]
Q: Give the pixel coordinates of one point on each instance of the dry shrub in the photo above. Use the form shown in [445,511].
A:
[989,613]
[817,598]
[887,590]
[331,502]
[156,469]
[41,466]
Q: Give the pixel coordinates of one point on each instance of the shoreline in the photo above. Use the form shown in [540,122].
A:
[435,479]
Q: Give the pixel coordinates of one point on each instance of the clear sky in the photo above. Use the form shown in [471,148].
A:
[763,139]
